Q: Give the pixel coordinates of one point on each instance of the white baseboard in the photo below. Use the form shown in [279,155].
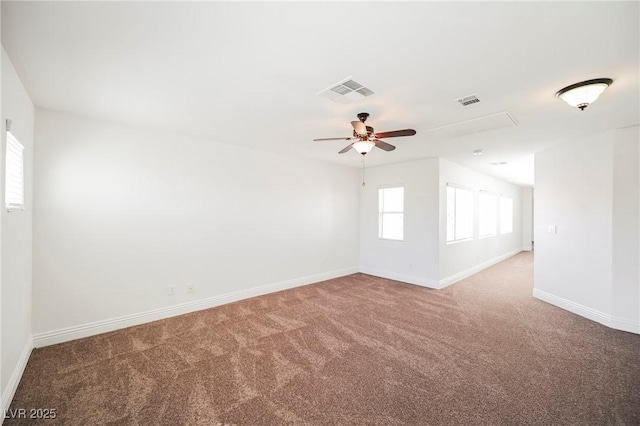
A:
[475,269]
[410,279]
[425,282]
[570,306]
[589,313]
[103,326]
[16,375]
[625,325]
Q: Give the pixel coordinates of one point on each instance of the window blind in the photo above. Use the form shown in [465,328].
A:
[488,206]
[459,213]
[391,213]
[506,215]
[14,179]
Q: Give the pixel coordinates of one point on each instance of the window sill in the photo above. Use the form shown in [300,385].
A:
[12,208]
[459,241]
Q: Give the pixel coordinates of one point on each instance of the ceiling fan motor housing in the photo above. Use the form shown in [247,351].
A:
[363,116]
[364,137]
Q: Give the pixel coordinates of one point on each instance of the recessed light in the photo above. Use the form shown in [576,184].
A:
[499,163]
[477,152]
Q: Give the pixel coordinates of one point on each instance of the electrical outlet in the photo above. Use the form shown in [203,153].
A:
[172,290]
[190,289]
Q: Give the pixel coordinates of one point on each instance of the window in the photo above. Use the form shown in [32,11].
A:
[14,179]
[391,213]
[506,215]
[488,206]
[459,214]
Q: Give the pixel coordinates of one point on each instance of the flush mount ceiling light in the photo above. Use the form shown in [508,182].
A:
[477,152]
[582,94]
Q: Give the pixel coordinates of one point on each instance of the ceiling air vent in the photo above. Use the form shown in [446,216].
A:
[346,91]
[341,90]
[365,92]
[469,100]
[352,85]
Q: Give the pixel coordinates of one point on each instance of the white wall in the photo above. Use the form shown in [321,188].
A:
[589,189]
[573,193]
[414,260]
[424,257]
[2,177]
[527,218]
[626,227]
[122,214]
[16,237]
[460,259]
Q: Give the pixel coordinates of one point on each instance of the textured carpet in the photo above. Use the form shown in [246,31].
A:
[350,351]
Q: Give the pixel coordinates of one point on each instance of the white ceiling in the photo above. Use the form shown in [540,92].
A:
[248,73]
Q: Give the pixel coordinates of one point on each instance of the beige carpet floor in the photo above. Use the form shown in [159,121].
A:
[357,350]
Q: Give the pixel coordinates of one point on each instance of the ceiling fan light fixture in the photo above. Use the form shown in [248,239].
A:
[582,94]
[366,138]
[363,147]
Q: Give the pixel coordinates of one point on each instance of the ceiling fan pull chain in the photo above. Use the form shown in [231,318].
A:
[363,171]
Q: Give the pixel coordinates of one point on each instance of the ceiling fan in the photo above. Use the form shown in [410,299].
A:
[364,138]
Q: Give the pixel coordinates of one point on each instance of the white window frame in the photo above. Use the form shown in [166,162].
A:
[14,174]
[382,212]
[454,215]
[509,230]
[495,197]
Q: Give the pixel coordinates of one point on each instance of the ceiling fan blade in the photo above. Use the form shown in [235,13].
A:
[359,127]
[383,145]
[346,148]
[346,138]
[395,133]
